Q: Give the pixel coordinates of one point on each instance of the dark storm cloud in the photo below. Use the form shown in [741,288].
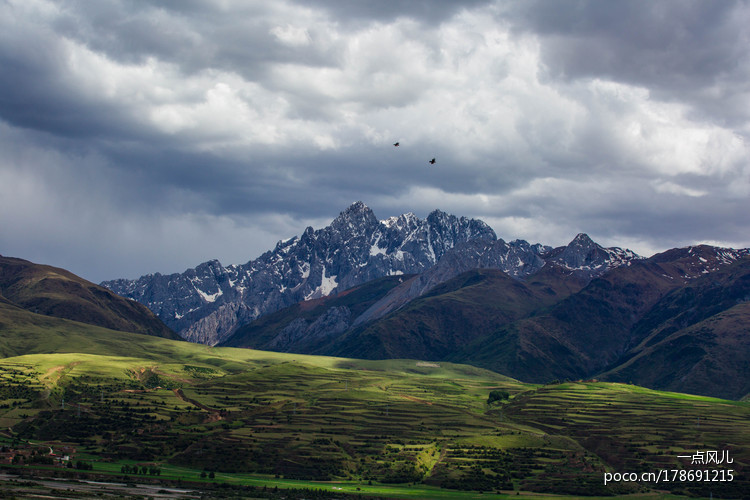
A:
[192,36]
[37,94]
[161,134]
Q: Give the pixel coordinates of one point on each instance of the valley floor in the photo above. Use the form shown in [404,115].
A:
[391,429]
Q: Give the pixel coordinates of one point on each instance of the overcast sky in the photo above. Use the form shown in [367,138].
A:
[151,136]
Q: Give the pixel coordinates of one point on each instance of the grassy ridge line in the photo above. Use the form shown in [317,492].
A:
[226,361]
[25,333]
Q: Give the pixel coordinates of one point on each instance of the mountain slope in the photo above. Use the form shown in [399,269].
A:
[449,316]
[696,339]
[23,332]
[512,273]
[447,313]
[432,326]
[711,357]
[56,292]
[304,326]
[595,328]
[467,294]
[675,321]
[574,264]
[446,318]
[678,317]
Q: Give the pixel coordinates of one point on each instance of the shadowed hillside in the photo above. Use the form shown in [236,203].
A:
[56,292]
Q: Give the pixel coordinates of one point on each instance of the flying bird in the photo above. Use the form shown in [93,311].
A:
[395,144]
[432,162]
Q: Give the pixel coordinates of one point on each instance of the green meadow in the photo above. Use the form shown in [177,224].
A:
[395,428]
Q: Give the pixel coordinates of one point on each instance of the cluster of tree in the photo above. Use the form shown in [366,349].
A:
[475,479]
[200,371]
[143,470]
[497,396]
[133,425]
[17,391]
[40,459]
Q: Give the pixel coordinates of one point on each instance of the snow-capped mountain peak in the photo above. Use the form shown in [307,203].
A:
[207,303]
[586,256]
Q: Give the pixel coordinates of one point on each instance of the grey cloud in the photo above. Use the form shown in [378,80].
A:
[194,36]
[694,51]
[426,11]
[152,158]
[684,43]
[39,91]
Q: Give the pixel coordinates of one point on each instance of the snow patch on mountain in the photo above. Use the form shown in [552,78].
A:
[327,285]
[209,297]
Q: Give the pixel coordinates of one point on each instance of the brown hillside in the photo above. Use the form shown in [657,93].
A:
[56,292]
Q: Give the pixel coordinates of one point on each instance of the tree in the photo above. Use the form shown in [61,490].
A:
[497,396]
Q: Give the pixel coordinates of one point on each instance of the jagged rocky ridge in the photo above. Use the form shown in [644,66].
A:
[208,303]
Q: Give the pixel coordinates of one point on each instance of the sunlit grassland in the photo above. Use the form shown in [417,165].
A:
[411,428]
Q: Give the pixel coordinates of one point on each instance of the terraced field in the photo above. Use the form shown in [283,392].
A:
[252,417]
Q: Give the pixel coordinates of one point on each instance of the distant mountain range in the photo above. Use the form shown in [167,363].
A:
[209,303]
[446,288]
[440,289]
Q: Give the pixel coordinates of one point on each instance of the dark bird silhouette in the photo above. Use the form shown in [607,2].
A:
[395,144]
[432,162]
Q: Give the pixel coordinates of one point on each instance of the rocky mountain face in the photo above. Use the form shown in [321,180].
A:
[208,303]
[582,258]
[308,326]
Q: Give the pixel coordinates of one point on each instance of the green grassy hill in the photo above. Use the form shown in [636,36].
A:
[390,428]
[24,332]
